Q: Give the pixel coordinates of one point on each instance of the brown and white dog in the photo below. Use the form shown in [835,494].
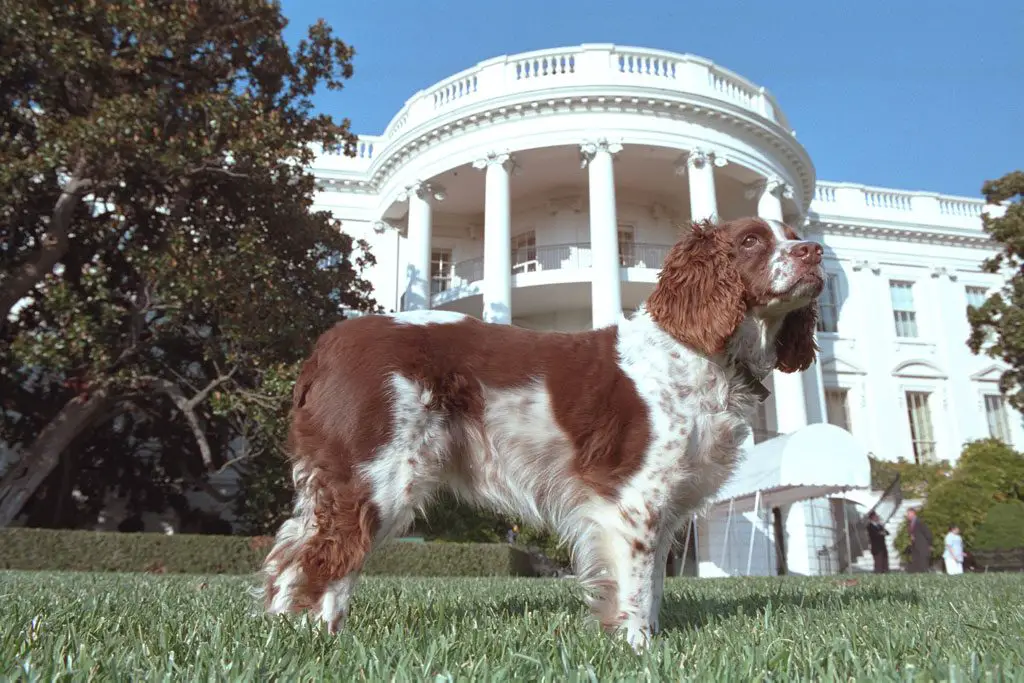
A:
[611,437]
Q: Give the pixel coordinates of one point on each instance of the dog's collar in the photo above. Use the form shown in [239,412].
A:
[752,381]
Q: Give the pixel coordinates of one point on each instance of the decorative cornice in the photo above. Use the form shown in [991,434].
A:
[504,159]
[396,152]
[345,185]
[590,148]
[920,235]
[423,190]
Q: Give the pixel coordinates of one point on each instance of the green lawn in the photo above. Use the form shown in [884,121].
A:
[129,626]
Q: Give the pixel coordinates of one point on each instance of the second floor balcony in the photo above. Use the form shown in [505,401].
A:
[541,265]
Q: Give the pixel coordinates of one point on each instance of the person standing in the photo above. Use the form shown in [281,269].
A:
[953,555]
[876,538]
[920,543]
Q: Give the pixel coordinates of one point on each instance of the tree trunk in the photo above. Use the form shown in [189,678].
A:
[55,244]
[25,475]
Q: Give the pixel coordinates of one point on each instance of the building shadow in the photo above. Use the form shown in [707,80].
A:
[498,313]
[683,611]
[412,297]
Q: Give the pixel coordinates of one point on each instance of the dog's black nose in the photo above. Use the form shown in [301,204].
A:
[808,252]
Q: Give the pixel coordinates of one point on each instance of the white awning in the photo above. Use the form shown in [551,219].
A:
[818,460]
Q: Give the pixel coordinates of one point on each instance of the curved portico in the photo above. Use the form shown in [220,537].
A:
[545,189]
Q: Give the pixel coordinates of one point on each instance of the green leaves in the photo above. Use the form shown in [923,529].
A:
[189,250]
[997,327]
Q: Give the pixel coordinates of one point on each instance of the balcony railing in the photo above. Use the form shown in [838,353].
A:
[852,201]
[552,257]
[584,66]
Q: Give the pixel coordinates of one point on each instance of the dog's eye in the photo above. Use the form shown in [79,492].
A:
[750,241]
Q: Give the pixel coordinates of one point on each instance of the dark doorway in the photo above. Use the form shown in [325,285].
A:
[682,559]
[780,541]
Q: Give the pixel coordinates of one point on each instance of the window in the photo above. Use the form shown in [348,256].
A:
[759,424]
[627,251]
[836,408]
[828,305]
[995,413]
[524,252]
[902,294]
[921,433]
[440,270]
[976,296]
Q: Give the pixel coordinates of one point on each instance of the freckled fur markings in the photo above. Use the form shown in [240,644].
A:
[611,437]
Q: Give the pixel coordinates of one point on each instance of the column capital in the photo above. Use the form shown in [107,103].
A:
[589,148]
[864,264]
[939,271]
[698,157]
[773,185]
[504,159]
[381,226]
[423,190]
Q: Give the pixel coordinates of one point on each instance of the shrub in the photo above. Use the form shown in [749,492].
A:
[988,472]
[55,549]
[915,479]
[1002,528]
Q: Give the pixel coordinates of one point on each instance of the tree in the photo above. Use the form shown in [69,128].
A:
[161,269]
[988,473]
[997,326]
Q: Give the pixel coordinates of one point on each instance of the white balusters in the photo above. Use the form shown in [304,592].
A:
[454,90]
[545,65]
[881,199]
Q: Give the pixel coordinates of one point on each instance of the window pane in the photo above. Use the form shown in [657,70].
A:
[902,295]
[976,296]
[995,413]
[828,305]
[837,408]
[921,432]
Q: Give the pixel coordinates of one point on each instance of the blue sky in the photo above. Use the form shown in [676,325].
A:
[912,95]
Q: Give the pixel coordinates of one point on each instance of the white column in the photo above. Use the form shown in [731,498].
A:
[769,203]
[606,285]
[418,238]
[790,398]
[497,291]
[700,165]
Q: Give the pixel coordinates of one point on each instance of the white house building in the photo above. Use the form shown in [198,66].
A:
[544,190]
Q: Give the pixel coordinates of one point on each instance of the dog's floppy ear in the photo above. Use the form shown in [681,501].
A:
[700,297]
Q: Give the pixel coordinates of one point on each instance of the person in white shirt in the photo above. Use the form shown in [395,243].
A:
[953,555]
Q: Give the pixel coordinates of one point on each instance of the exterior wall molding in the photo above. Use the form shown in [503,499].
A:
[916,234]
[390,159]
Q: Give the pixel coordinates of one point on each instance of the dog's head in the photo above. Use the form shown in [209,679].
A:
[716,275]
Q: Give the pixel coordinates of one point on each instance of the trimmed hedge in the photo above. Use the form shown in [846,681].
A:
[103,551]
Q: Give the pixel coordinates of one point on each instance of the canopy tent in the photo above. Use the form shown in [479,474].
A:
[816,461]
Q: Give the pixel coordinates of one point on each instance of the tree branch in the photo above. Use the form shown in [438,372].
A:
[188,408]
[55,244]
[24,476]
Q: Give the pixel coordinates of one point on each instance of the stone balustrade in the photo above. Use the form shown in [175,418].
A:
[853,202]
[597,65]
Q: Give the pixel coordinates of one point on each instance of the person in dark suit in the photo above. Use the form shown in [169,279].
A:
[876,538]
[920,543]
